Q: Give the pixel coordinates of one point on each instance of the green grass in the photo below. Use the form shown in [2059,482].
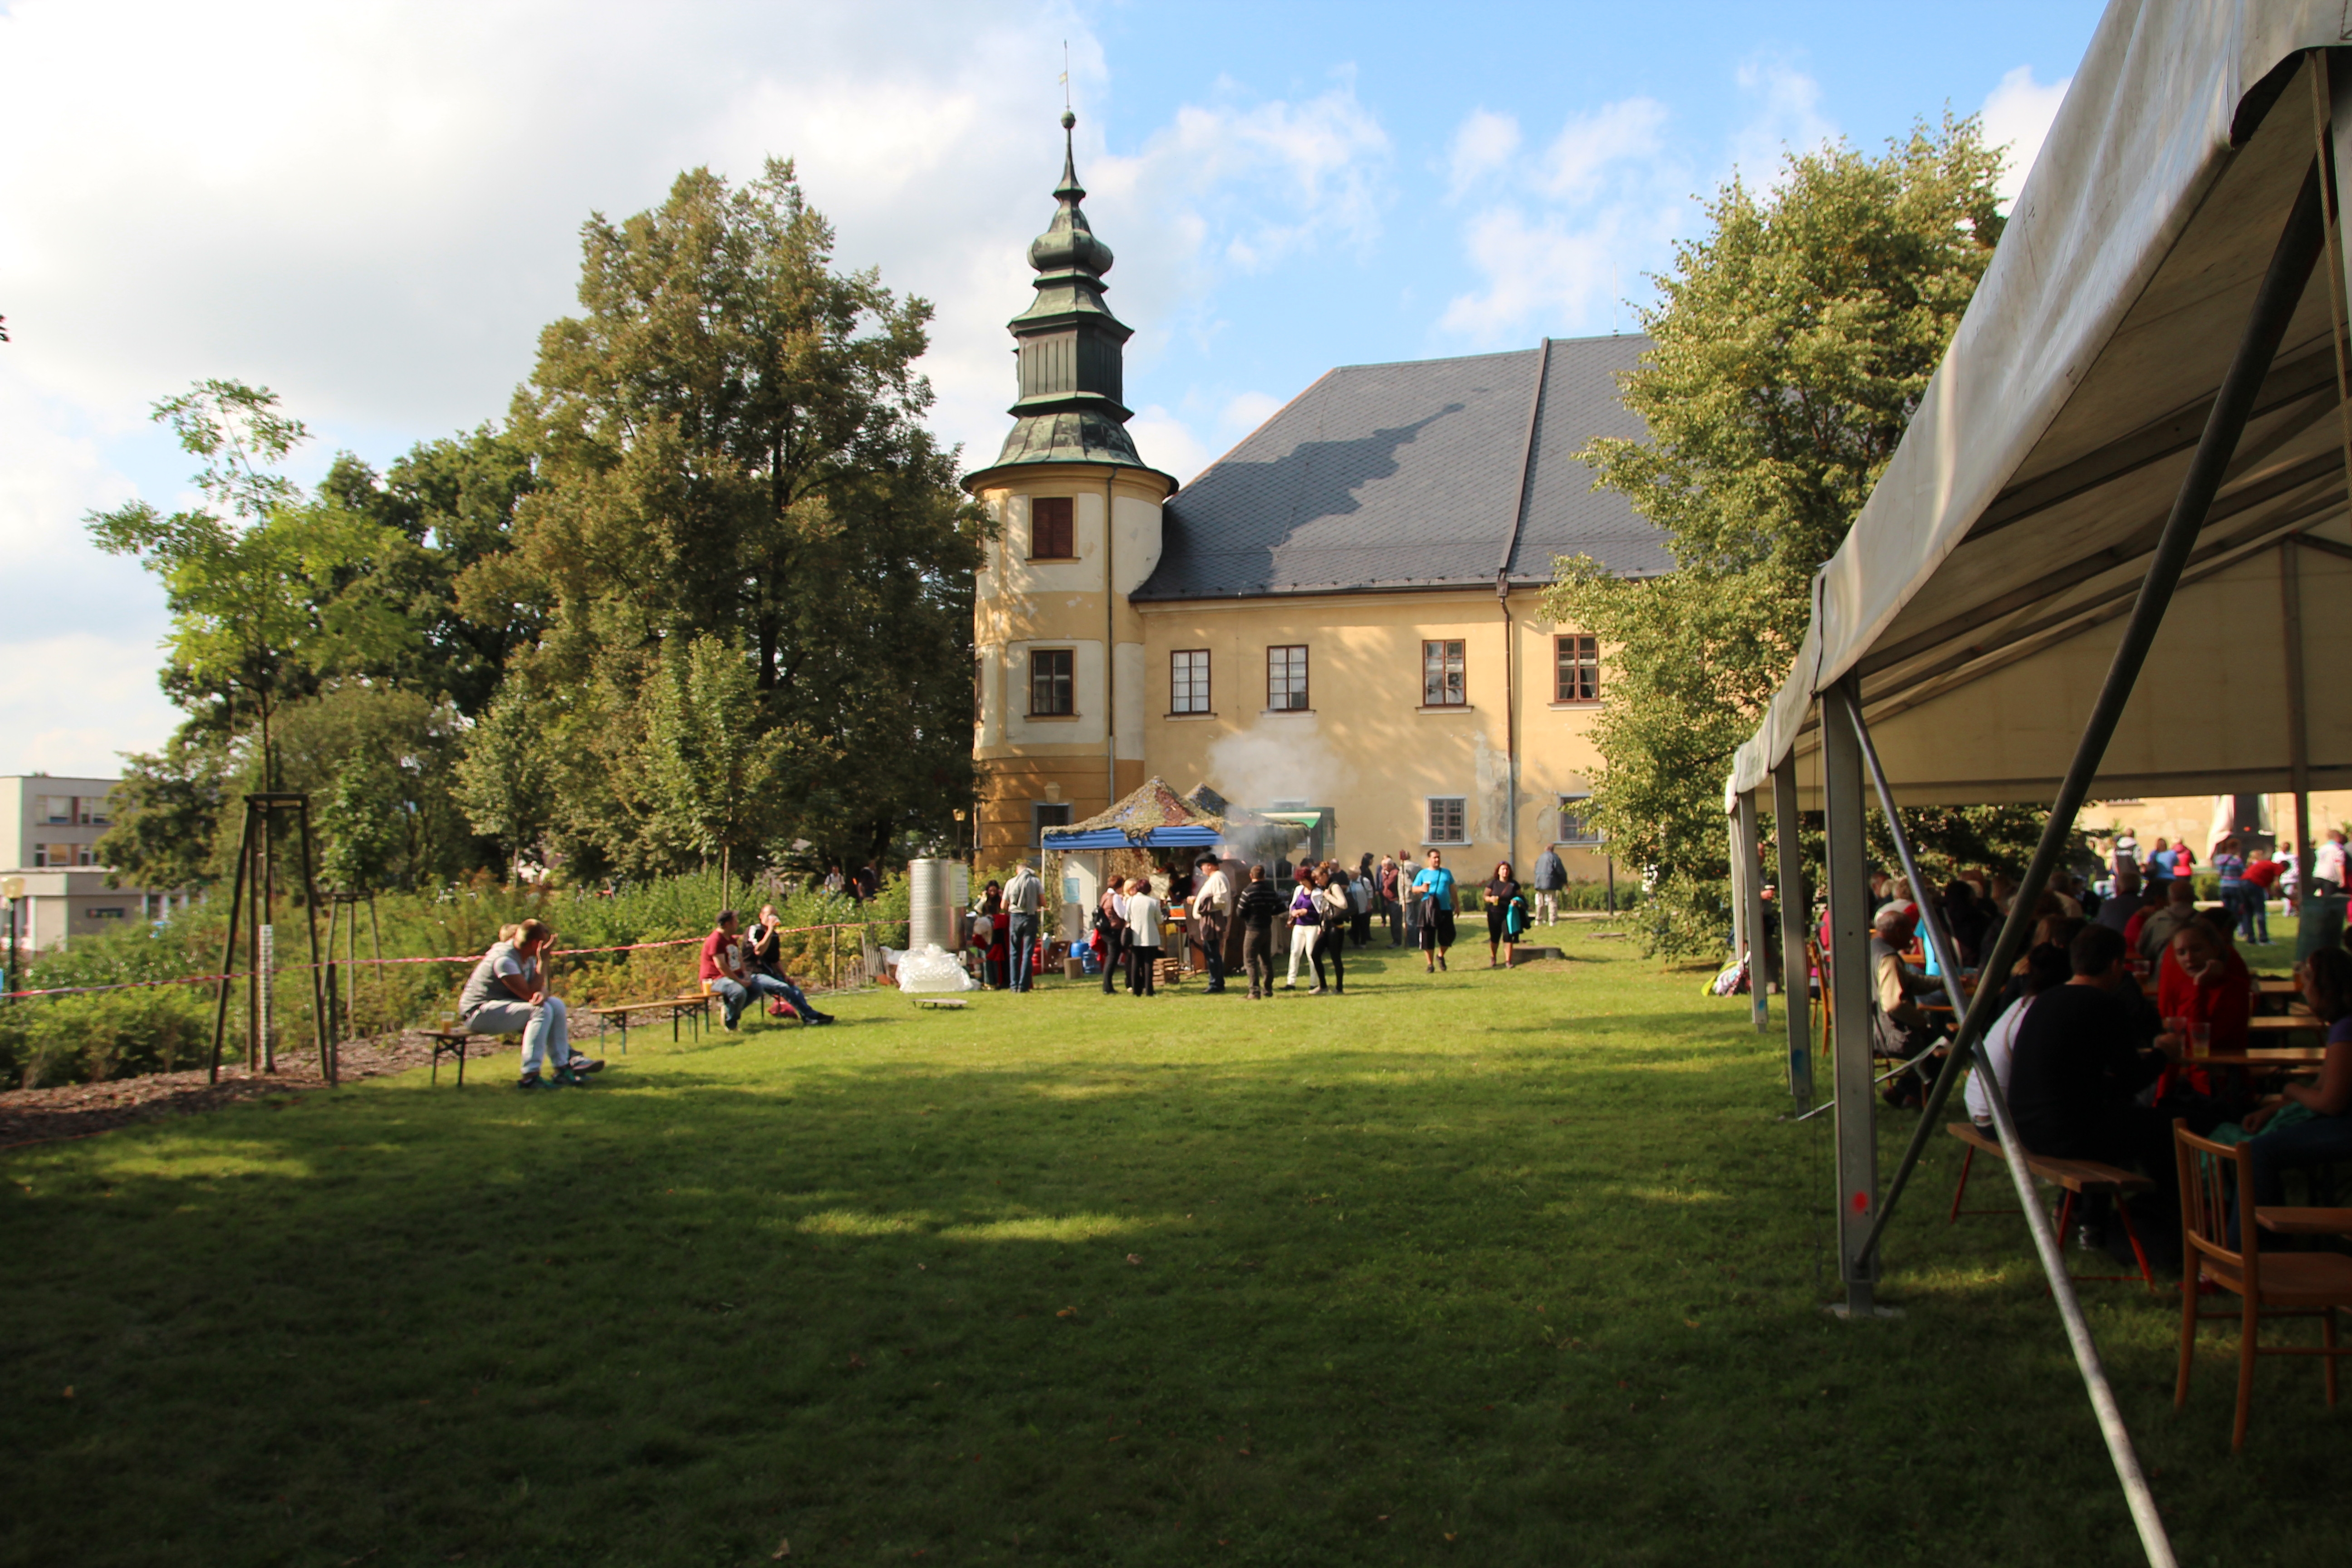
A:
[1522,1267]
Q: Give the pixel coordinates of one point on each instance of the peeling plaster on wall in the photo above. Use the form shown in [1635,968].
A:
[1490,801]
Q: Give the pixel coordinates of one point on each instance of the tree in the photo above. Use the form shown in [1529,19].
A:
[167,812]
[262,600]
[1794,342]
[727,445]
[714,773]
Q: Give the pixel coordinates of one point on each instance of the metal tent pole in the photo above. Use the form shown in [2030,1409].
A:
[1752,866]
[1849,879]
[1736,848]
[1796,913]
[2047,1243]
[2274,303]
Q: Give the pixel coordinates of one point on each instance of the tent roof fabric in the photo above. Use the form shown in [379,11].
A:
[1982,593]
[1410,475]
[1153,816]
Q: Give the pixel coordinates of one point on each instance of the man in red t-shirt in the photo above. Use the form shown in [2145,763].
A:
[2262,878]
[725,976]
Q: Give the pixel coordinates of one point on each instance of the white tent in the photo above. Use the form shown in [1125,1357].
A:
[1979,596]
[2114,534]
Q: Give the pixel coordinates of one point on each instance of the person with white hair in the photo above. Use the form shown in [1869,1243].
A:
[1904,1027]
[1023,896]
[507,994]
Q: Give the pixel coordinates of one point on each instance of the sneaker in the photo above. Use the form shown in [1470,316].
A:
[566,1079]
[1440,961]
[586,1065]
[528,1080]
[1257,995]
[1315,990]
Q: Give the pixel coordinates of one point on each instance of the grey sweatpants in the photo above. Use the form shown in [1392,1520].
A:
[545,1037]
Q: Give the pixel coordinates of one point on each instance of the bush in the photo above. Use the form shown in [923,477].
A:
[1595,895]
[87,1039]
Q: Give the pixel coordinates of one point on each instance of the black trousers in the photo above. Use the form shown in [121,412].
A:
[1336,951]
[1212,929]
[1258,962]
[1114,953]
[1143,969]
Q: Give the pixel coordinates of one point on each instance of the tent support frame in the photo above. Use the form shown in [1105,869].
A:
[1849,956]
[1796,913]
[1750,884]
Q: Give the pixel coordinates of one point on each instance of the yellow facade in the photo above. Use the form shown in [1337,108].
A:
[2188,818]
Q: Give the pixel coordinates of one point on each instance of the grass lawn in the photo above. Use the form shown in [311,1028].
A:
[1521,1267]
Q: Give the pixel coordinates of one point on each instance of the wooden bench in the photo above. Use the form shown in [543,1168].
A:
[694,1005]
[2076,1178]
[452,1042]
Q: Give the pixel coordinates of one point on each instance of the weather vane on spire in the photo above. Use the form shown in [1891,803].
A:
[1066,75]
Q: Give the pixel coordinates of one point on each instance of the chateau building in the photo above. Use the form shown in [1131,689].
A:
[1341,616]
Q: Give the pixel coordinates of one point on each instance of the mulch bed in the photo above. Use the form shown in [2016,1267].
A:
[80,1109]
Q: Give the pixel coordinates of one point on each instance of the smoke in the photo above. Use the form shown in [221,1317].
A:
[1284,761]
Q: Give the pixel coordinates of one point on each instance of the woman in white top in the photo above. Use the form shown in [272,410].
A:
[2045,968]
[1144,913]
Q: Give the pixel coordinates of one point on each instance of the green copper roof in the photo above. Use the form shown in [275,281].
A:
[1072,354]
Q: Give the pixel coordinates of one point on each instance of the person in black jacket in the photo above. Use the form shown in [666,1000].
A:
[1259,902]
[2077,1070]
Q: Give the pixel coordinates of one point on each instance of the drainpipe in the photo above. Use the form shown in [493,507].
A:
[1510,724]
[1110,655]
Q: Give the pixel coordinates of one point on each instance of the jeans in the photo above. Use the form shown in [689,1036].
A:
[545,1037]
[1022,929]
[2321,1140]
[1114,947]
[2245,904]
[1394,914]
[1212,949]
[733,995]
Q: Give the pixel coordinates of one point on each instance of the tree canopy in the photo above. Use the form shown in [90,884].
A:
[1793,343]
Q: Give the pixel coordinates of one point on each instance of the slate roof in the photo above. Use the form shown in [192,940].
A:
[1406,475]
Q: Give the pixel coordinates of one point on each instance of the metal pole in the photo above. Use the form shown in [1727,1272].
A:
[329,1068]
[1751,861]
[2047,1243]
[228,945]
[1738,863]
[1849,879]
[254,1057]
[2298,737]
[1796,911]
[2274,303]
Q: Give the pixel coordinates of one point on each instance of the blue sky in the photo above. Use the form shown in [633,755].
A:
[373,208]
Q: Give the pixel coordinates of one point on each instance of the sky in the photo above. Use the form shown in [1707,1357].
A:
[373,208]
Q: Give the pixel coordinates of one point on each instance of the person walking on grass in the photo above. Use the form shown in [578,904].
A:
[1389,889]
[1306,928]
[1144,915]
[1259,902]
[1434,883]
[1336,900]
[507,994]
[1506,914]
[1550,877]
[724,975]
[1212,911]
[1023,896]
[1409,892]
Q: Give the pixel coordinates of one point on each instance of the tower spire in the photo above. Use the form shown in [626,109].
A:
[1072,349]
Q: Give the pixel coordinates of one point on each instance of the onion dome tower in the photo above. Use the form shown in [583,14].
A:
[1059,734]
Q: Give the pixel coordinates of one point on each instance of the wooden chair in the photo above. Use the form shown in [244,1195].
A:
[2285,1285]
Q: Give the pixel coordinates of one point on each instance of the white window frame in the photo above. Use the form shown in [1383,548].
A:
[1560,811]
[1177,693]
[1461,803]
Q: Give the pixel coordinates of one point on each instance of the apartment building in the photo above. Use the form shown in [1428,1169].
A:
[49,828]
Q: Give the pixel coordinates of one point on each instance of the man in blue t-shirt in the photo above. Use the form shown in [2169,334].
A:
[1436,885]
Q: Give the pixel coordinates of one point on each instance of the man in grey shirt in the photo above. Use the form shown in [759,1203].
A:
[507,994]
[1023,898]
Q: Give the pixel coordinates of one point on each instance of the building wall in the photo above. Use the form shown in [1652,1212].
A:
[1023,604]
[1368,748]
[2189,818]
[66,893]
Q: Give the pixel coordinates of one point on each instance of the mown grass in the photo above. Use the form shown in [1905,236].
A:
[1521,1269]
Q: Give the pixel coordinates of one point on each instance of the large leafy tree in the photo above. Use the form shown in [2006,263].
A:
[262,586]
[727,445]
[1794,340]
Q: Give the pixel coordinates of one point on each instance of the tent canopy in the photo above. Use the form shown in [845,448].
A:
[1153,817]
[1979,596]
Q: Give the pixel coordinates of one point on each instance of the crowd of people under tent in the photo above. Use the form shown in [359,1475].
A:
[2130,1009]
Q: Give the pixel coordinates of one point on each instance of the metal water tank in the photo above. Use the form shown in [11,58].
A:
[933,913]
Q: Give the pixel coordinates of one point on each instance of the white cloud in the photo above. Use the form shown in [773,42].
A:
[1590,146]
[1483,143]
[1784,117]
[1172,442]
[74,700]
[2017,116]
[375,208]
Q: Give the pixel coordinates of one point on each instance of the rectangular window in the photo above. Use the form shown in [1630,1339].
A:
[1573,828]
[1448,822]
[1052,529]
[56,808]
[96,811]
[40,856]
[105,914]
[1286,679]
[1578,678]
[85,854]
[1043,815]
[1188,681]
[1441,684]
[1052,685]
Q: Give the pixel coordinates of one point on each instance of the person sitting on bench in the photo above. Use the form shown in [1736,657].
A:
[2075,1076]
[767,959]
[507,994]
[725,976]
